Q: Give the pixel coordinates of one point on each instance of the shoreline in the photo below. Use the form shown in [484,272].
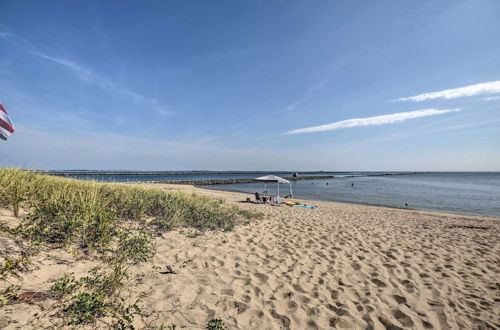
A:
[358,204]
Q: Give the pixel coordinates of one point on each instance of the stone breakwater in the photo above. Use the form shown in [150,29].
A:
[299,178]
[229,181]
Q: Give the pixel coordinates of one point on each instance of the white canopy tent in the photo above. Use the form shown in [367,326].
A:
[274,178]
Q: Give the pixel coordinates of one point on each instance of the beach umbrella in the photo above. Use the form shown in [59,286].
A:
[274,178]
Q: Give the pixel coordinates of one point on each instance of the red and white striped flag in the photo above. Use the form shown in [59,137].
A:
[6,126]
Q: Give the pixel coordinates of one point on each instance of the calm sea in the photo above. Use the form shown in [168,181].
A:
[457,192]
[132,176]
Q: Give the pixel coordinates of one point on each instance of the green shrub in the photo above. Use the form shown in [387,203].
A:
[99,296]
[12,266]
[134,246]
[216,324]
[8,295]
[106,282]
[86,307]
[64,286]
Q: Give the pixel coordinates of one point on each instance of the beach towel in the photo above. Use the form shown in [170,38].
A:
[304,206]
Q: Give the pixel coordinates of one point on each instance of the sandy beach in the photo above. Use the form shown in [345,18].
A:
[336,266]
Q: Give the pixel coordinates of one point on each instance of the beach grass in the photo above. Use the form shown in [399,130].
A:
[65,210]
[114,222]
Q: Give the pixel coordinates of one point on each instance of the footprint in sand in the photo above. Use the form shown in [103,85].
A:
[399,299]
[292,306]
[338,311]
[240,307]
[261,277]
[427,325]
[298,288]
[388,324]
[284,320]
[229,292]
[403,318]
[312,325]
[379,283]
[355,266]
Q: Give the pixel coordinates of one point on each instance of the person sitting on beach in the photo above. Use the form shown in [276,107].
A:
[257,196]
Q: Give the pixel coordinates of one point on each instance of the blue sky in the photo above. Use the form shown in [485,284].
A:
[245,84]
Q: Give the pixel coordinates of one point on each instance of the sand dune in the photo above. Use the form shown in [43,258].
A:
[337,266]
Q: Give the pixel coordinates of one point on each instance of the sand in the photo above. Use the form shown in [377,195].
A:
[336,266]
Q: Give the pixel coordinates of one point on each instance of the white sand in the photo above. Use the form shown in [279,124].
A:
[337,266]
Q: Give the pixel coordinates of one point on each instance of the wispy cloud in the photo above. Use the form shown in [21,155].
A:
[492,87]
[370,121]
[76,68]
[5,35]
[89,76]
[490,98]
[293,106]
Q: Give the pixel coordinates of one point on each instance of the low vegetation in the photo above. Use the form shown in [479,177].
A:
[8,295]
[115,222]
[216,324]
[66,211]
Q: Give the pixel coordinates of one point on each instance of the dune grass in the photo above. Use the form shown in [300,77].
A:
[65,210]
[115,222]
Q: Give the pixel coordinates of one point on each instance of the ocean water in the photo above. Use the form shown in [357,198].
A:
[130,176]
[457,192]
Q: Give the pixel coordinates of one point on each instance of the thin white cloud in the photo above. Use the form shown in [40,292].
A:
[91,77]
[88,76]
[162,110]
[4,35]
[491,87]
[490,98]
[80,70]
[370,121]
[293,106]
